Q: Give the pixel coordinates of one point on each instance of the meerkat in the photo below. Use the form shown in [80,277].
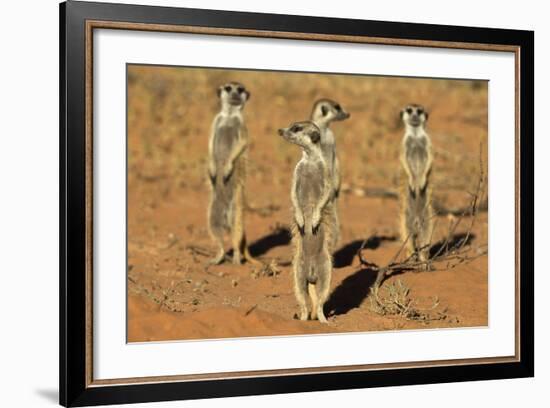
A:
[227,149]
[311,233]
[416,159]
[326,111]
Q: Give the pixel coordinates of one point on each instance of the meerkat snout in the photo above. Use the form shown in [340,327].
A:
[285,133]
[341,114]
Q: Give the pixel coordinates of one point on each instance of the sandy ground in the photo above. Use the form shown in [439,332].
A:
[172,295]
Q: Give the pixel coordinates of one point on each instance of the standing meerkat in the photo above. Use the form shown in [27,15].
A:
[416,159]
[311,232]
[227,170]
[326,111]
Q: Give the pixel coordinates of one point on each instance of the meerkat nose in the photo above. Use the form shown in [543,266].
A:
[281,132]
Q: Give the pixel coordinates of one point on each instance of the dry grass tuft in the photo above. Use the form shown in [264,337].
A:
[267,269]
[395,300]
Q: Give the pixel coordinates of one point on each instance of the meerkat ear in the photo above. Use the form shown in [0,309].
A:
[315,137]
[426,115]
[247,94]
[401,113]
[324,110]
[219,91]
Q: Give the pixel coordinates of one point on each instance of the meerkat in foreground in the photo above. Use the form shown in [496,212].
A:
[326,111]
[416,159]
[311,233]
[227,170]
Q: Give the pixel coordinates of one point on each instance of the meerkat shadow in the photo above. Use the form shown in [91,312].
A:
[448,244]
[351,292]
[279,237]
[344,256]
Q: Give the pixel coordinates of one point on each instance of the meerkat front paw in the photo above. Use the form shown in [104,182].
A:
[227,171]
[212,173]
[315,222]
[300,223]
[212,178]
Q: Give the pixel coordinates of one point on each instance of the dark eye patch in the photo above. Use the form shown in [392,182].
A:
[409,110]
[315,137]
[420,111]
[324,110]
[240,89]
[337,107]
[295,129]
[227,88]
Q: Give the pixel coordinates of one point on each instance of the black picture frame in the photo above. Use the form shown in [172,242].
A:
[74,389]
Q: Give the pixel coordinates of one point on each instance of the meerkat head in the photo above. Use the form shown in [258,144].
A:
[326,110]
[304,134]
[414,115]
[233,94]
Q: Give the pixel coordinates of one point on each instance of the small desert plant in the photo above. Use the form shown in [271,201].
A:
[395,300]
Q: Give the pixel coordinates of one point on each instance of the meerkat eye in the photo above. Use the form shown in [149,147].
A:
[409,110]
[227,88]
[296,129]
[420,111]
[240,89]
[337,107]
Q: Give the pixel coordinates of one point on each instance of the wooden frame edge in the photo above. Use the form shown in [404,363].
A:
[291,35]
[102,24]
[298,371]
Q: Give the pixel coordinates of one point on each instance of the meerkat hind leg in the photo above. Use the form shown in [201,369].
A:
[300,290]
[322,288]
[220,253]
[240,247]
[216,232]
[314,300]
[425,236]
[409,227]
[336,226]
[237,231]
